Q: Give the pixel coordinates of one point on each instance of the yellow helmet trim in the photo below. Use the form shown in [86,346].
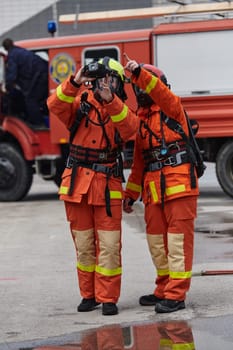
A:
[114,66]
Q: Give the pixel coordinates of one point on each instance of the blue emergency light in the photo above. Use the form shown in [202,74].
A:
[52,27]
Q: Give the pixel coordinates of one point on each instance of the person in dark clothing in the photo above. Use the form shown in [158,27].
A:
[26,73]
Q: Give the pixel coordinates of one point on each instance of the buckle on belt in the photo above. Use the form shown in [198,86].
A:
[69,163]
[170,161]
[101,168]
[103,156]
[155,166]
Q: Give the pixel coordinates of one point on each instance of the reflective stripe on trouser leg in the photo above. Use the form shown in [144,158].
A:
[180,256]
[177,218]
[180,215]
[176,335]
[108,265]
[81,220]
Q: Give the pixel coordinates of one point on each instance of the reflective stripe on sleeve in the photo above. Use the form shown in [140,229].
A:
[63,97]
[134,187]
[151,84]
[119,117]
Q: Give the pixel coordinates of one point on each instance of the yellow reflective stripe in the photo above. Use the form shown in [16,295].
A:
[63,97]
[162,272]
[165,342]
[115,195]
[169,343]
[63,190]
[90,268]
[151,84]
[153,191]
[181,275]
[108,272]
[119,117]
[185,346]
[175,189]
[134,187]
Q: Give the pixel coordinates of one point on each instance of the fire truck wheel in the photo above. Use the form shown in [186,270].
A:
[15,174]
[224,168]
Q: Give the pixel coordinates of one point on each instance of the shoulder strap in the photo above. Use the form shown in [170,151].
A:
[81,113]
[174,126]
[177,127]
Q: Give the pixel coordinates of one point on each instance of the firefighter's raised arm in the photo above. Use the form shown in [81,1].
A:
[80,77]
[131,66]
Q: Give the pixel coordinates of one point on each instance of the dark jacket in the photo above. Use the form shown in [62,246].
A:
[23,68]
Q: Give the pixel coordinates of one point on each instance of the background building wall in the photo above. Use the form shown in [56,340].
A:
[34,25]
[28,19]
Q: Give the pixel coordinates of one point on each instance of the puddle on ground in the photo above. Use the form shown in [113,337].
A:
[167,335]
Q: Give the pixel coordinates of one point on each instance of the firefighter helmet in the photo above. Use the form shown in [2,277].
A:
[113,66]
[143,99]
[155,71]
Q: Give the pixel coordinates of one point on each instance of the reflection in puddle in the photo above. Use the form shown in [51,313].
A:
[173,335]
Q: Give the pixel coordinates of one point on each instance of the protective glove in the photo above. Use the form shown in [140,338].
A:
[127,205]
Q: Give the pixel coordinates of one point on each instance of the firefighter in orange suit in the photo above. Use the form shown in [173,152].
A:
[98,121]
[164,175]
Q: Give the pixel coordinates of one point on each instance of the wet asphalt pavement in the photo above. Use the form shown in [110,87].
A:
[38,286]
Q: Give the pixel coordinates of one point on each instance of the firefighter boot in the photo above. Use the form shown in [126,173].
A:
[109,309]
[168,305]
[149,300]
[87,305]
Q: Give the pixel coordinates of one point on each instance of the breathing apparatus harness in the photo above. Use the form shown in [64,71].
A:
[171,154]
[94,159]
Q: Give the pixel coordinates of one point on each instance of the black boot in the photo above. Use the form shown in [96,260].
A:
[168,305]
[149,300]
[109,309]
[87,305]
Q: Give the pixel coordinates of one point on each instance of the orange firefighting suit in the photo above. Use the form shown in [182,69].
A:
[165,183]
[96,235]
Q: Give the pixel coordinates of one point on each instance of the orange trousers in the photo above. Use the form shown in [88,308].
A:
[170,237]
[97,240]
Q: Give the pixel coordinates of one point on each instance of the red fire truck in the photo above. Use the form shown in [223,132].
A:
[196,57]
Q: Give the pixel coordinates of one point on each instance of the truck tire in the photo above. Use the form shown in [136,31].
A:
[224,168]
[15,174]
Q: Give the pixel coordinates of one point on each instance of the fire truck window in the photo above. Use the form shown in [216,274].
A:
[91,55]
[42,54]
